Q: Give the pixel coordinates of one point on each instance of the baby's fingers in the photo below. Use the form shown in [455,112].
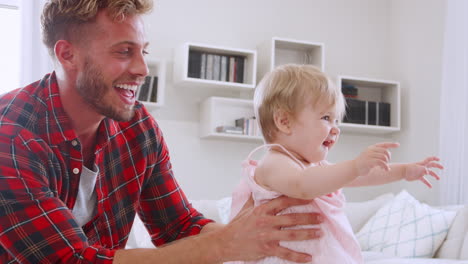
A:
[387,145]
[433,164]
[429,159]
[433,174]
[425,181]
[382,164]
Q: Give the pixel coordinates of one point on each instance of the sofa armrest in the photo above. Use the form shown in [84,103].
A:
[451,248]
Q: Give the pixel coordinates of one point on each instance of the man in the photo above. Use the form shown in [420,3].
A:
[79,157]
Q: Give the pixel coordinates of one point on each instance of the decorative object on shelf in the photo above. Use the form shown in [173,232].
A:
[349,90]
[219,114]
[373,106]
[279,51]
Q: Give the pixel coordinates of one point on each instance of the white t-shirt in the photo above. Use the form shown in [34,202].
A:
[86,201]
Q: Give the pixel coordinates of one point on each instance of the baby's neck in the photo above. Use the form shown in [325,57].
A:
[300,159]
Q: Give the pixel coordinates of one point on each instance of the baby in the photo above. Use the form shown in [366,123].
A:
[298,110]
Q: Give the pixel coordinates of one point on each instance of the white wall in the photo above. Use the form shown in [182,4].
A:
[363,38]
[417,30]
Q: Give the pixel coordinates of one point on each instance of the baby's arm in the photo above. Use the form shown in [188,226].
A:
[398,171]
[280,173]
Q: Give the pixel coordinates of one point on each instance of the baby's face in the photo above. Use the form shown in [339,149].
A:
[314,132]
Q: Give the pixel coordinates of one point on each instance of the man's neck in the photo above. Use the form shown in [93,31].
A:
[85,121]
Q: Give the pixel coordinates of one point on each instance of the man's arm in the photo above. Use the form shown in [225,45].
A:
[254,234]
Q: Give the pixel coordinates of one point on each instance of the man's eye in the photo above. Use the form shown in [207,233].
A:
[124,52]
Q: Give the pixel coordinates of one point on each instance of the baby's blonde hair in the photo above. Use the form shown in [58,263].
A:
[64,19]
[290,88]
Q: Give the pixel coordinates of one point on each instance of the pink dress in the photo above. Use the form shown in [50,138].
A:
[337,245]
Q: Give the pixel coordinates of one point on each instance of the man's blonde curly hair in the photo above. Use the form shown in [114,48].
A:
[64,19]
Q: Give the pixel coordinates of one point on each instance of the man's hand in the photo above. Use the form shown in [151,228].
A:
[417,170]
[255,232]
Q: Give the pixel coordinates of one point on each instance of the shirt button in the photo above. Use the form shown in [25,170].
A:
[76,171]
[74,143]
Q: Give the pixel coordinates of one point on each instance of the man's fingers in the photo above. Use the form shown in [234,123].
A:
[293,256]
[287,220]
[296,234]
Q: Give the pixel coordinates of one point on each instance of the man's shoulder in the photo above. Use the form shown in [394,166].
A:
[22,108]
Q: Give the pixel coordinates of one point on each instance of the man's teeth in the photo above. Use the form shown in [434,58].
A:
[127,87]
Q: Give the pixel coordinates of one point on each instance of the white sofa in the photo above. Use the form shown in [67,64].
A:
[453,249]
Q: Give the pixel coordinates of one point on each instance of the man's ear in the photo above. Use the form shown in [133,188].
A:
[66,55]
[282,121]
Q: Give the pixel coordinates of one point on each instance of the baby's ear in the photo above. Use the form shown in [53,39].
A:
[282,121]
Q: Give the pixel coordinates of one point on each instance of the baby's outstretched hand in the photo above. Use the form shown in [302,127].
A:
[374,156]
[417,170]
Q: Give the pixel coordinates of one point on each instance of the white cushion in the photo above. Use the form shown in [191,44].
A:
[405,227]
[140,238]
[451,248]
[208,208]
[359,213]
[224,209]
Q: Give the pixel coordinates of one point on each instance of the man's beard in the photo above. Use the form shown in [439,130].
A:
[91,86]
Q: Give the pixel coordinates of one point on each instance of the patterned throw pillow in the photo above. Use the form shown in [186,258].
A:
[405,227]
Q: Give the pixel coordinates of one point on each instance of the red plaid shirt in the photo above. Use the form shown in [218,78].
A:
[40,166]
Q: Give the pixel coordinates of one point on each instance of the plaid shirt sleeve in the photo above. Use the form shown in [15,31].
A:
[35,225]
[164,208]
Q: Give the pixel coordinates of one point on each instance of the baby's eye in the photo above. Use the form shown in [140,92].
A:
[327,118]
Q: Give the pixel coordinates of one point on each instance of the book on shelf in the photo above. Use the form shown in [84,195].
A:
[143,92]
[216,67]
[249,126]
[371,113]
[384,114]
[203,66]
[154,90]
[224,68]
[355,111]
[239,69]
[194,64]
[232,63]
[229,130]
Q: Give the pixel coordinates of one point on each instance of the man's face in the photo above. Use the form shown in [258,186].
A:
[112,66]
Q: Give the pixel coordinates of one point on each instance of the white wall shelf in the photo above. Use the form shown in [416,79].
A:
[182,76]
[279,51]
[153,94]
[221,111]
[375,91]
